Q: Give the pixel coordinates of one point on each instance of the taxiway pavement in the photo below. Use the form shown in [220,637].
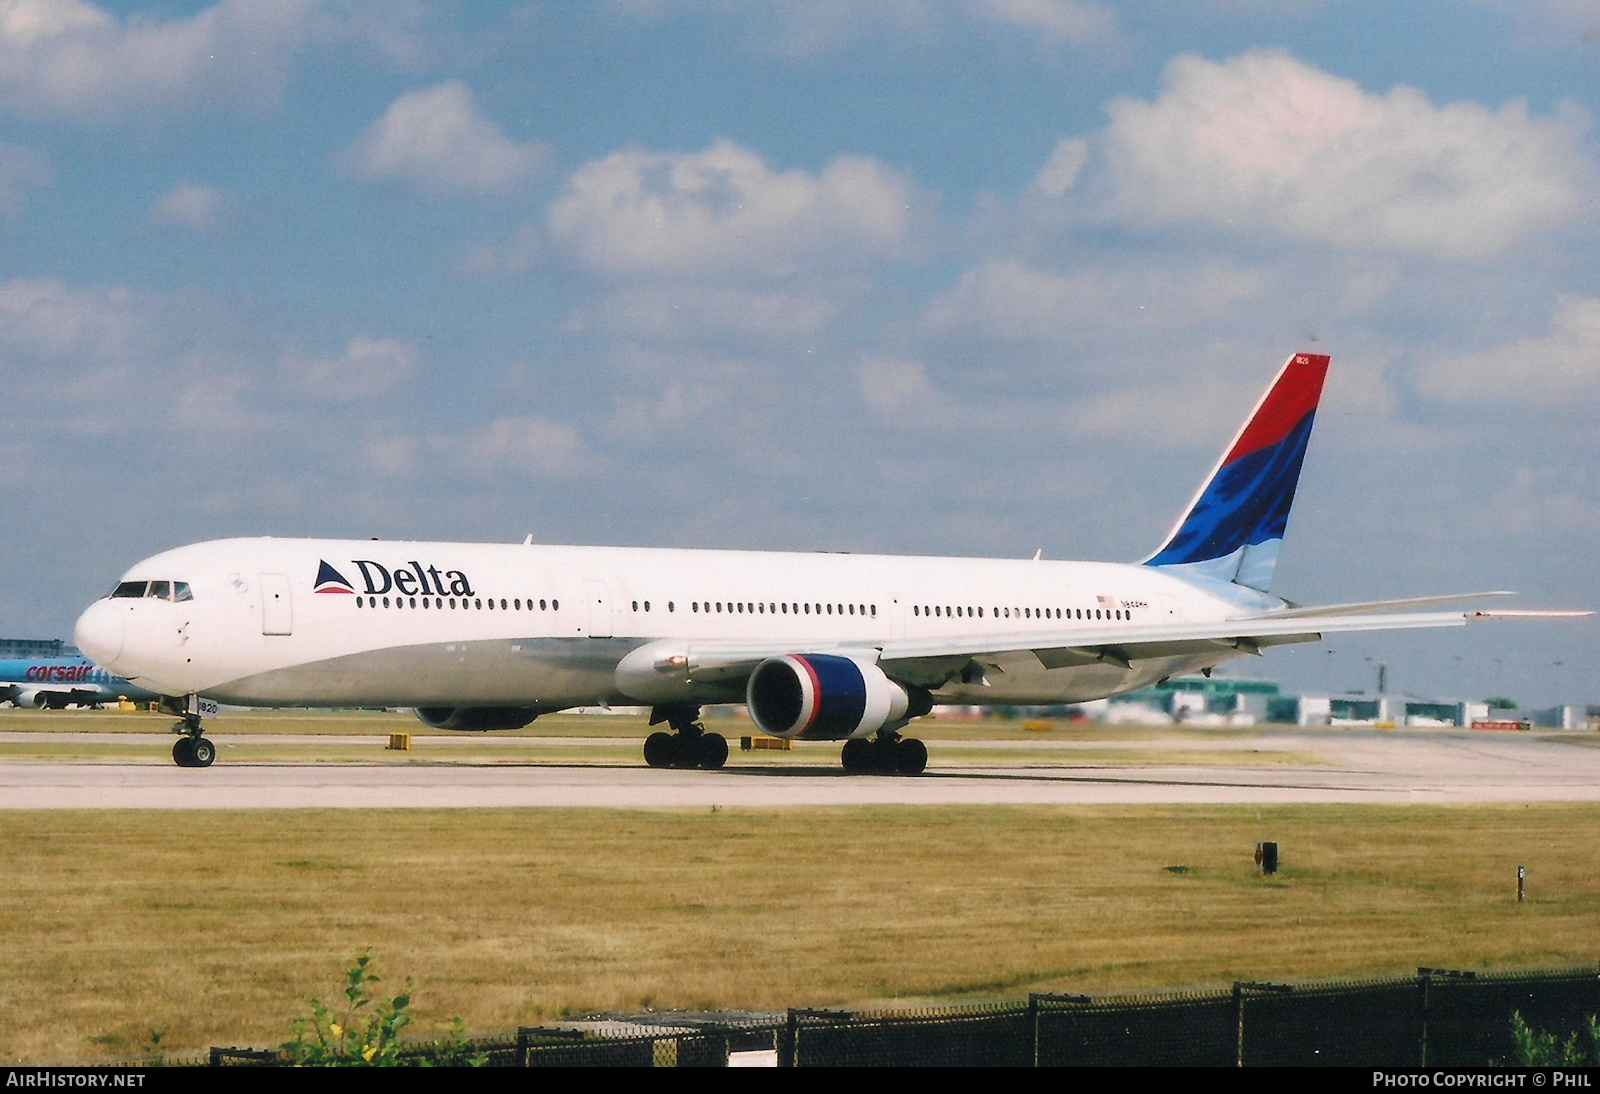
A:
[1351,766]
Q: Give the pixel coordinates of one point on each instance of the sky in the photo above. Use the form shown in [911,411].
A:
[971,277]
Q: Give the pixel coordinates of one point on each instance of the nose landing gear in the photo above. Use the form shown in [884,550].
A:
[689,745]
[191,749]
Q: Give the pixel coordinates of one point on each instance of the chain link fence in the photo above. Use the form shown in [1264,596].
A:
[1437,1018]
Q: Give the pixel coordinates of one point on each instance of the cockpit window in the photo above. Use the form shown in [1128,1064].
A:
[130,589]
[160,590]
[180,591]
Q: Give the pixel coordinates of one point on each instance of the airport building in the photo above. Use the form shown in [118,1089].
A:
[24,648]
[1218,701]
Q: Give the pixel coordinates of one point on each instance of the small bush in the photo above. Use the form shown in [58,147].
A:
[1536,1049]
[365,1032]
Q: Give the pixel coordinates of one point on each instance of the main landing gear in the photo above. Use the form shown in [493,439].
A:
[887,753]
[192,749]
[688,745]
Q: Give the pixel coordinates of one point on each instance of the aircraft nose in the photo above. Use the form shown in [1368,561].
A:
[99,632]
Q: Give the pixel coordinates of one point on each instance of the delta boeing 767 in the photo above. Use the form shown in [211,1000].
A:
[823,646]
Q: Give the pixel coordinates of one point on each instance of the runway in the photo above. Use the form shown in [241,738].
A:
[1355,766]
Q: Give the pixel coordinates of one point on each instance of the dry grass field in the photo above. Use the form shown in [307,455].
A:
[215,927]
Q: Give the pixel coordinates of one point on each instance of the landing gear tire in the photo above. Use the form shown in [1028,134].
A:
[856,755]
[201,752]
[688,745]
[660,749]
[183,752]
[711,750]
[910,756]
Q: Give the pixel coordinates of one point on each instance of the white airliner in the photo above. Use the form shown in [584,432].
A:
[819,646]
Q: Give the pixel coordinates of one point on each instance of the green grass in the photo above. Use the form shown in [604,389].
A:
[215,927]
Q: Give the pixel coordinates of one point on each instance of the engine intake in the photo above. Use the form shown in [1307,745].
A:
[474,719]
[826,697]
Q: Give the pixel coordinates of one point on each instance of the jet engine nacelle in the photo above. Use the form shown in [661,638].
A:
[30,699]
[826,697]
[475,718]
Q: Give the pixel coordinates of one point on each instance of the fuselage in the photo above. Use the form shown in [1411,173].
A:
[353,622]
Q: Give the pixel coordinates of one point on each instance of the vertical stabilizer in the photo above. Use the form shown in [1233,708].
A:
[1235,524]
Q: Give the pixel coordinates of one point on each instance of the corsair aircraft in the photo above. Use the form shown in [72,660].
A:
[825,646]
[55,683]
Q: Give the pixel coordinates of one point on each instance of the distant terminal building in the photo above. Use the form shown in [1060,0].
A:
[1202,700]
[1219,701]
[24,648]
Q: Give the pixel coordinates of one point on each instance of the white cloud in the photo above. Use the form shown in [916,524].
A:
[527,446]
[1053,22]
[1061,170]
[690,311]
[724,208]
[517,255]
[804,29]
[1167,417]
[1265,142]
[190,205]
[1005,298]
[1557,372]
[438,140]
[46,320]
[21,169]
[898,388]
[67,58]
[368,368]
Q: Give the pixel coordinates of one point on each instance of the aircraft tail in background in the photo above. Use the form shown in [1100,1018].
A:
[1233,528]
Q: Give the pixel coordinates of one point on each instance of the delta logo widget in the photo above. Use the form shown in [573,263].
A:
[412,579]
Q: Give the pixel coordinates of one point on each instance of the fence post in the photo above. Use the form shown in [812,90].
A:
[1238,1015]
[1033,1024]
[789,1048]
[215,1059]
[1424,982]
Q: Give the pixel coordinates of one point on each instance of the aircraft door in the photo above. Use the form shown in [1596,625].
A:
[597,601]
[277,610]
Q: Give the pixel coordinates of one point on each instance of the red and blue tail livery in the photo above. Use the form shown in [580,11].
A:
[1235,524]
